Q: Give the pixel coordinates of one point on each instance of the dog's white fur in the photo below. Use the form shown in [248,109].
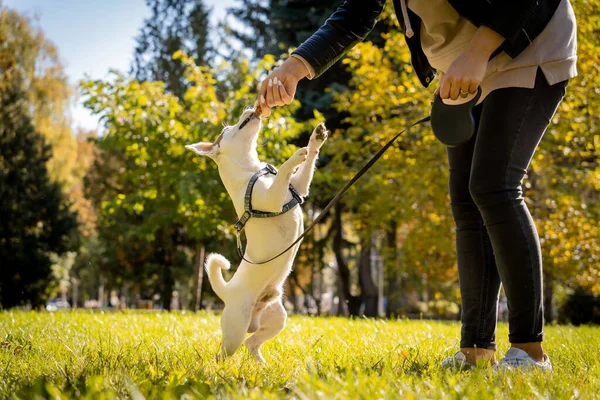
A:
[253,295]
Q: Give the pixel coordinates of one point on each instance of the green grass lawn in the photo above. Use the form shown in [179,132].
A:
[162,355]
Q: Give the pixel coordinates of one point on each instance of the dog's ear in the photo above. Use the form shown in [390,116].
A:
[204,149]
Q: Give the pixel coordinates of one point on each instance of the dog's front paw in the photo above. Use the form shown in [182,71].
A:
[299,157]
[318,137]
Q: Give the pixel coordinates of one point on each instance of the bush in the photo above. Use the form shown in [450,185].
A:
[581,307]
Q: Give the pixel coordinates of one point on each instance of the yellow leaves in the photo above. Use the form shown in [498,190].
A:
[132,148]
[435,218]
[567,254]
[150,194]
[200,202]
[179,55]
[269,59]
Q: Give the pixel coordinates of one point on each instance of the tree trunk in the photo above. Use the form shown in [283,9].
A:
[305,294]
[548,297]
[74,292]
[165,257]
[342,309]
[352,303]
[292,295]
[167,289]
[391,263]
[317,286]
[101,292]
[198,274]
[368,290]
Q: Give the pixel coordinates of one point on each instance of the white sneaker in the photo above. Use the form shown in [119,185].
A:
[457,361]
[519,359]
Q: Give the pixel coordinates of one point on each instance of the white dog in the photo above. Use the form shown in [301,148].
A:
[253,295]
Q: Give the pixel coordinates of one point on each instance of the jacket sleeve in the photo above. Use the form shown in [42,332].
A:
[508,17]
[349,25]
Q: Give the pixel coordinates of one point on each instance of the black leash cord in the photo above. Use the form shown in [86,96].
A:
[338,196]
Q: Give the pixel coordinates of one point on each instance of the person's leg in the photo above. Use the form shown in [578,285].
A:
[512,123]
[478,278]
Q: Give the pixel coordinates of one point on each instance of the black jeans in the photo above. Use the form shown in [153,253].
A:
[496,239]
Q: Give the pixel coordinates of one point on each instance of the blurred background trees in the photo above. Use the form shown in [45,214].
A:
[37,226]
[148,211]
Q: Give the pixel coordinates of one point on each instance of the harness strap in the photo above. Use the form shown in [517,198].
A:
[250,213]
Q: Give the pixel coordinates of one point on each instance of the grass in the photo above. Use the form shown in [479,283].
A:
[162,355]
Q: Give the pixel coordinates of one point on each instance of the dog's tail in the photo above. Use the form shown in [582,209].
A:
[214,264]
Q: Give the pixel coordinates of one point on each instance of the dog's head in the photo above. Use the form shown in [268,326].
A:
[234,140]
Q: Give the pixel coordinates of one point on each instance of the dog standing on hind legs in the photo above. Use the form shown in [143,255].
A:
[252,297]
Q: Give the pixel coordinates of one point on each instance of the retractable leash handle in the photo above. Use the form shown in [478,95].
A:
[453,124]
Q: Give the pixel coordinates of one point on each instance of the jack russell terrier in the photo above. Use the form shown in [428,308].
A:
[252,297]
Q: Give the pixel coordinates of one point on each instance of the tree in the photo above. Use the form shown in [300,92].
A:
[49,96]
[36,220]
[47,92]
[257,35]
[175,25]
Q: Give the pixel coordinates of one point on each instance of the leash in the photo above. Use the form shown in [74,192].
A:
[337,197]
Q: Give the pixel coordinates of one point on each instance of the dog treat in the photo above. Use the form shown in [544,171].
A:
[258,110]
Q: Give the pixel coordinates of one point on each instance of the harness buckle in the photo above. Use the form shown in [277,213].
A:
[296,195]
[239,225]
[271,169]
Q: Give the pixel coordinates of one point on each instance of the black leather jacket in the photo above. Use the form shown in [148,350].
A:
[518,21]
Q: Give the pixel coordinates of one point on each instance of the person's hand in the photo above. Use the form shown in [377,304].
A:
[279,87]
[466,72]
[463,77]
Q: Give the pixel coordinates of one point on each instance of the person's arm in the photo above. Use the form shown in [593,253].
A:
[349,25]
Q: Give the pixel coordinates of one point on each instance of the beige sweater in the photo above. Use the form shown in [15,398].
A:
[445,35]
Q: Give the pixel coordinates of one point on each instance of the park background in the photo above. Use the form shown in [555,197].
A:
[101,206]
[102,209]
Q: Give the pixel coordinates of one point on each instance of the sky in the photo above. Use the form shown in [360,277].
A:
[94,36]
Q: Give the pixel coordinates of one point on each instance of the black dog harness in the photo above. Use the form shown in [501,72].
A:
[250,213]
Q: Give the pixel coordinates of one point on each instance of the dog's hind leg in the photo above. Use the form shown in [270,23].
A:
[272,321]
[269,295]
[234,323]
[257,311]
